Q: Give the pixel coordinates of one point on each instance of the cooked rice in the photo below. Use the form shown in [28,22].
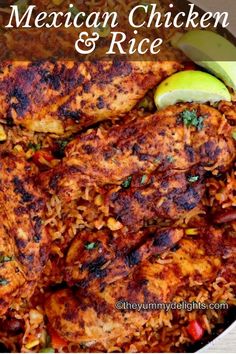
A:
[165,331]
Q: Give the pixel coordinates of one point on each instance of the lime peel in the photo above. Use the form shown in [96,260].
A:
[190,86]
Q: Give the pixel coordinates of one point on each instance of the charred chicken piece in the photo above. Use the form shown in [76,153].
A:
[57,97]
[171,195]
[104,257]
[94,317]
[24,241]
[175,139]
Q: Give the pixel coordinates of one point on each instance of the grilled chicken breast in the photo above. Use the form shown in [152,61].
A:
[160,142]
[147,168]
[54,97]
[106,257]
[94,317]
[170,195]
[24,242]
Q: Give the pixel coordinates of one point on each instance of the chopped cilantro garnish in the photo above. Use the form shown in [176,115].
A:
[234,134]
[47,350]
[157,160]
[90,245]
[34,147]
[147,104]
[62,143]
[193,179]
[190,118]
[48,340]
[36,238]
[143,179]
[127,182]
[3,281]
[4,259]
[170,159]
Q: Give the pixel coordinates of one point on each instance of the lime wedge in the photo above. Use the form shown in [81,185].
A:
[211,51]
[190,86]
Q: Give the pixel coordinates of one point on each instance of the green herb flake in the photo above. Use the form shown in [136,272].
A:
[62,143]
[143,103]
[37,238]
[90,245]
[4,259]
[3,281]
[147,104]
[34,147]
[170,159]
[48,341]
[234,134]
[157,160]
[126,184]
[190,118]
[193,179]
[143,179]
[47,350]
[222,301]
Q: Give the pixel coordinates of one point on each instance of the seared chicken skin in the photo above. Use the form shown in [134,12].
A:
[55,97]
[146,200]
[80,317]
[160,142]
[105,257]
[23,239]
[170,195]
